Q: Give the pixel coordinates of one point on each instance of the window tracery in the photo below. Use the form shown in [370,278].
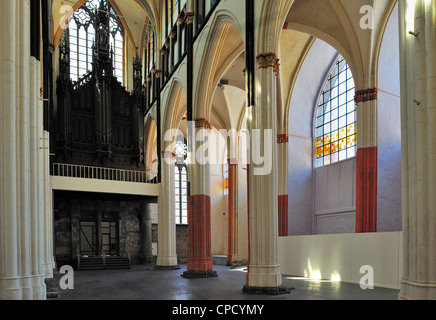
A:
[81,33]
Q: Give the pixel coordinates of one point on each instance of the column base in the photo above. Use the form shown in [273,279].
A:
[414,290]
[147,259]
[167,261]
[52,285]
[237,263]
[266,290]
[166,268]
[23,288]
[48,270]
[200,274]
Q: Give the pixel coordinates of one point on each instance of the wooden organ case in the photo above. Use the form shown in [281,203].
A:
[98,122]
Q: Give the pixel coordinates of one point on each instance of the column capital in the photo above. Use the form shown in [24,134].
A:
[282,138]
[157,73]
[51,48]
[366,95]
[202,123]
[267,60]
[169,155]
[233,161]
[189,17]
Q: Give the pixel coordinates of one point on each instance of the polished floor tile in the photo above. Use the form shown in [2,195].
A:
[145,283]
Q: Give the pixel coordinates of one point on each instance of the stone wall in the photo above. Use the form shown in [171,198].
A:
[182,238]
[70,208]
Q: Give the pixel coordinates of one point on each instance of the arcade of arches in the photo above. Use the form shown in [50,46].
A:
[289,136]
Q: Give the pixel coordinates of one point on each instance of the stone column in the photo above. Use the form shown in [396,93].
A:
[179,39]
[100,209]
[146,234]
[21,203]
[232,256]
[366,161]
[172,51]
[199,205]
[263,274]
[47,211]
[418,107]
[167,256]
[282,152]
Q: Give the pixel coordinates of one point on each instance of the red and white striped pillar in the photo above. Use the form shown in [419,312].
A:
[282,152]
[232,255]
[366,161]
[199,206]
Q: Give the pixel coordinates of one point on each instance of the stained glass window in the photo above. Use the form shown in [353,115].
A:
[335,124]
[181,183]
[81,30]
[226,178]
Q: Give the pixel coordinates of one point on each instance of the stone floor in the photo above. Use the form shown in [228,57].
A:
[145,283]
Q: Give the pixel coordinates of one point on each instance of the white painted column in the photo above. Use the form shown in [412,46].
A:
[47,217]
[167,254]
[263,269]
[21,224]
[418,106]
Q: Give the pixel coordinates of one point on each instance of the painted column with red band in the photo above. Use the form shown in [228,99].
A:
[366,161]
[282,145]
[199,207]
[232,254]
[200,258]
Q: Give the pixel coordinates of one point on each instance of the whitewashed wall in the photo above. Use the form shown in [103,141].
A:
[321,200]
[340,257]
[389,132]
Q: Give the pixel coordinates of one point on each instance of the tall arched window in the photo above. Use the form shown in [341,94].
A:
[81,30]
[181,182]
[149,50]
[335,124]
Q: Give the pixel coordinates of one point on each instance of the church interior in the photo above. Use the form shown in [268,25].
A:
[251,141]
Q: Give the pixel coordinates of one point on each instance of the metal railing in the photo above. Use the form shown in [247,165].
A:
[100,173]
